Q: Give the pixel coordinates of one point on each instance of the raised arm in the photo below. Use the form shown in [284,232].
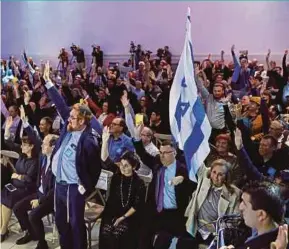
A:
[29,131]
[267,60]
[4,110]
[245,162]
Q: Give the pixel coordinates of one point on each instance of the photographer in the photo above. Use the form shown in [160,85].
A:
[78,53]
[137,53]
[167,55]
[63,58]
[97,56]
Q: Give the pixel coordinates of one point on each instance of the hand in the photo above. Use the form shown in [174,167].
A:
[46,72]
[177,180]
[9,122]
[27,97]
[15,176]
[23,115]
[282,238]
[269,52]
[238,139]
[84,93]
[34,203]
[222,52]
[286,51]
[107,91]
[137,130]
[105,134]
[124,100]
[233,48]
[119,220]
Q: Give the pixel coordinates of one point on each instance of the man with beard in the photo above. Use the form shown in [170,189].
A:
[76,165]
[214,105]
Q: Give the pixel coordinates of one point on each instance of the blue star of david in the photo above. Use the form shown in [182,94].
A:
[181,108]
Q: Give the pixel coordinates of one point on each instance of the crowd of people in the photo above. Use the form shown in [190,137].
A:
[69,123]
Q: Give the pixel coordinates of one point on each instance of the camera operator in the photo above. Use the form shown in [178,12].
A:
[167,55]
[136,53]
[63,58]
[78,53]
[97,56]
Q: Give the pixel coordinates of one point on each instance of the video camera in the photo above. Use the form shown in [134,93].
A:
[73,47]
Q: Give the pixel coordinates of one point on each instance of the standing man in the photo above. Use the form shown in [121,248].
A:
[76,165]
[97,56]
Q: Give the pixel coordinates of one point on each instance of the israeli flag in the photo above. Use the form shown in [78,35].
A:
[188,120]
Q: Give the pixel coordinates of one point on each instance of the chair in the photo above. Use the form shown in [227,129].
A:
[147,180]
[93,210]
[159,138]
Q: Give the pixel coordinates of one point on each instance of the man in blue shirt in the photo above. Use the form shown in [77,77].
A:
[118,142]
[76,165]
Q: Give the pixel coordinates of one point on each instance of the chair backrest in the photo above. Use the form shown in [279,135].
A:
[147,180]
[103,183]
[159,138]
[8,157]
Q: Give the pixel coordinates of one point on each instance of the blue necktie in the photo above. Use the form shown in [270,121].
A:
[62,147]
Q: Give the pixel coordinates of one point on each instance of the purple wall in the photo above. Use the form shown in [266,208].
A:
[44,27]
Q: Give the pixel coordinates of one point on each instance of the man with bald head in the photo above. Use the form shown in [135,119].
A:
[118,142]
[282,136]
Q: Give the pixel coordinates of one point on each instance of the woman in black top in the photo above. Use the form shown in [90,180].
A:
[23,182]
[118,229]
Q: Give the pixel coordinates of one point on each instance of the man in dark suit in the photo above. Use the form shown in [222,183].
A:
[40,202]
[168,196]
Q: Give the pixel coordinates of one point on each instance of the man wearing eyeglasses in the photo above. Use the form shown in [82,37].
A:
[168,196]
[118,142]
[76,165]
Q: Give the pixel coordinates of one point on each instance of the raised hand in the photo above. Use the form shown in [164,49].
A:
[105,134]
[233,48]
[124,99]
[238,139]
[23,115]
[46,72]
[269,52]
[286,51]
[282,238]
[9,122]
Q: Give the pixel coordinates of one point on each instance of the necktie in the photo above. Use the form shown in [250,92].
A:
[62,147]
[160,191]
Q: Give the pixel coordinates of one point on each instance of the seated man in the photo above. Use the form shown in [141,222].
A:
[41,203]
[215,196]
[262,210]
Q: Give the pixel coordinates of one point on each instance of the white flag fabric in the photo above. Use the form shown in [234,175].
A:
[188,120]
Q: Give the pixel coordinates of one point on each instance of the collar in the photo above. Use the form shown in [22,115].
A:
[172,167]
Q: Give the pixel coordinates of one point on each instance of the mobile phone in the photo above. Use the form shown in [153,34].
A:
[138,119]
[10,187]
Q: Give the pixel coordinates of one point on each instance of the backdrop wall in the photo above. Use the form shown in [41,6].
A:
[44,27]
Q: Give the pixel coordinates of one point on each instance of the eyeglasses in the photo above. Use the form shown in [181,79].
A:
[166,152]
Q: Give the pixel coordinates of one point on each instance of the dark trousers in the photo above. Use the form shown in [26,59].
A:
[32,222]
[168,224]
[69,217]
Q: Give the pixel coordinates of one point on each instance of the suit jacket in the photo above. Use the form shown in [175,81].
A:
[262,241]
[228,203]
[183,191]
